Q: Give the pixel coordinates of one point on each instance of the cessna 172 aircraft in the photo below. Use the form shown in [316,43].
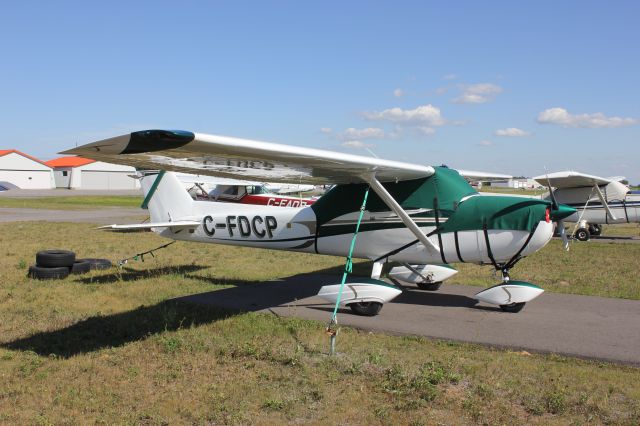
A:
[238,191]
[416,214]
[597,200]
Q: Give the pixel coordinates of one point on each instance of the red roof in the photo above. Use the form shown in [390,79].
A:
[69,162]
[4,152]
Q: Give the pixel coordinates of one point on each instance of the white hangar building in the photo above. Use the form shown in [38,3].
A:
[83,173]
[25,171]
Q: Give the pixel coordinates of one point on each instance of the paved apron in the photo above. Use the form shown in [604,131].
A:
[582,326]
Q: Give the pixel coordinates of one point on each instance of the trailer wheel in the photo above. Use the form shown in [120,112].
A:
[582,234]
[430,286]
[42,273]
[55,258]
[512,307]
[366,309]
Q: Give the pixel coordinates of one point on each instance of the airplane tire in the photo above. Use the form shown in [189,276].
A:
[595,229]
[430,286]
[55,258]
[98,264]
[42,273]
[366,309]
[512,307]
[80,267]
[582,234]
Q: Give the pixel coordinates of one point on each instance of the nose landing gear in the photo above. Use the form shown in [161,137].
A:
[510,295]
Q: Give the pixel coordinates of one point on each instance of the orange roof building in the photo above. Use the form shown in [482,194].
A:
[24,171]
[83,173]
[68,162]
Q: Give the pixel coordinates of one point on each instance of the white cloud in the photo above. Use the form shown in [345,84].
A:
[485,143]
[450,77]
[353,134]
[326,130]
[425,114]
[426,131]
[512,132]
[356,144]
[441,90]
[398,93]
[562,117]
[477,93]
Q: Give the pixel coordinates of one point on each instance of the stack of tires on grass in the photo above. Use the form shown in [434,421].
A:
[58,264]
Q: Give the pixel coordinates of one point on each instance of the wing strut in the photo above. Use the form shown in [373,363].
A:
[604,202]
[397,209]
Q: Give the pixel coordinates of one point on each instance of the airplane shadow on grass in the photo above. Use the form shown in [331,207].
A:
[105,331]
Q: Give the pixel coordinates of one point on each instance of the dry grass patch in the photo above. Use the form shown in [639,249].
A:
[110,347]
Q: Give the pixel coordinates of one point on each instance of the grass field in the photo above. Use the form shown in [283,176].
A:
[514,191]
[71,202]
[110,347]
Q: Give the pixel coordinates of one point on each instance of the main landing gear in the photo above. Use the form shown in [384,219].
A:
[510,296]
[585,231]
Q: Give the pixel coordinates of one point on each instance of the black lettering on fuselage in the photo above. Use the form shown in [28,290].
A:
[259,226]
[231,225]
[272,224]
[260,233]
[243,226]
[205,225]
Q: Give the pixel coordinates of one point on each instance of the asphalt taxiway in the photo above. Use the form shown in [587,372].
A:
[104,216]
[581,326]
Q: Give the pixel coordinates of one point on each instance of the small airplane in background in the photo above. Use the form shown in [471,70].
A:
[283,188]
[597,200]
[415,214]
[210,188]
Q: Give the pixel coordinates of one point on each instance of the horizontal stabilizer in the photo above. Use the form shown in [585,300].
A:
[139,227]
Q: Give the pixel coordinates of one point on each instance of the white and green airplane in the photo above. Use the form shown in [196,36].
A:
[414,215]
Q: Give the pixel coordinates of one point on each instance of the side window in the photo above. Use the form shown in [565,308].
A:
[65,173]
[232,190]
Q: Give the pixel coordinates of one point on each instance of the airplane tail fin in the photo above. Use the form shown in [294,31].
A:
[165,197]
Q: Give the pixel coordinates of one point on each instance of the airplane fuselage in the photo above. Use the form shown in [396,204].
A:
[382,235]
[625,210]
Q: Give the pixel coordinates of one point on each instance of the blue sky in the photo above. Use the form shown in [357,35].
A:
[509,87]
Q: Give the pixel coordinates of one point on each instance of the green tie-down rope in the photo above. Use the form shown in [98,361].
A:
[349,264]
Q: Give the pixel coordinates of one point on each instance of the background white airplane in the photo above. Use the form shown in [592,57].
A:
[415,214]
[598,200]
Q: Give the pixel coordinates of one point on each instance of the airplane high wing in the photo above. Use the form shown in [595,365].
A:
[473,175]
[571,179]
[223,156]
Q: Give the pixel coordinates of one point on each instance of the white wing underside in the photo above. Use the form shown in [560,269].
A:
[182,224]
[251,160]
[571,179]
[475,175]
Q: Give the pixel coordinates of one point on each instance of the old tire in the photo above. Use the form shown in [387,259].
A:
[99,264]
[512,307]
[42,273]
[55,258]
[430,286]
[80,267]
[366,309]
[582,234]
